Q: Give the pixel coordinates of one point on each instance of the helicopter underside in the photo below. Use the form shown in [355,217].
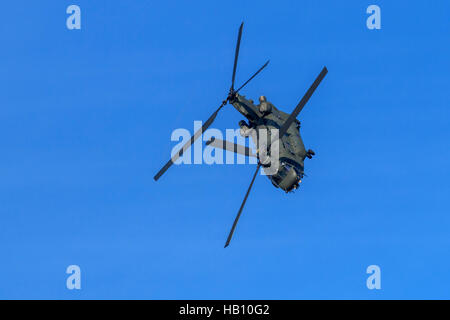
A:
[290,167]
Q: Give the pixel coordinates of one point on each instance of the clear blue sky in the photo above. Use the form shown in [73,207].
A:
[86,117]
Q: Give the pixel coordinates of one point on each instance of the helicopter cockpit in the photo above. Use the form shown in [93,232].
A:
[287,177]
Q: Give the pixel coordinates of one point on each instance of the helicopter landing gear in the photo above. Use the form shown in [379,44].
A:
[310,153]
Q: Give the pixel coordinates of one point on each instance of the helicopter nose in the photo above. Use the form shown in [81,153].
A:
[290,179]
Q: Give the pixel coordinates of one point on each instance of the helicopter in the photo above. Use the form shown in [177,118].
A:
[291,150]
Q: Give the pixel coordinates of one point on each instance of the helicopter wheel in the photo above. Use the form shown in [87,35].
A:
[310,154]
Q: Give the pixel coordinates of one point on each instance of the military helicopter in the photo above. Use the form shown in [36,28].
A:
[292,152]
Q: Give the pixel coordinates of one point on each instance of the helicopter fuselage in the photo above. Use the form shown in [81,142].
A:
[292,152]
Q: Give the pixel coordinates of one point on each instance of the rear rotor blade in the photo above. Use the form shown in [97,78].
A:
[302,102]
[188,144]
[236,55]
[254,75]
[230,146]
[242,207]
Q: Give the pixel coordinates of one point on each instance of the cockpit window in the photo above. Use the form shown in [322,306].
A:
[285,168]
[277,179]
[282,173]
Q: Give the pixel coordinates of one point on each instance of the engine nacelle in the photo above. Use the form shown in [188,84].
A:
[265,107]
[244,130]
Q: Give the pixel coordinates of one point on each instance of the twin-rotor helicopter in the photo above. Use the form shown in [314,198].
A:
[263,116]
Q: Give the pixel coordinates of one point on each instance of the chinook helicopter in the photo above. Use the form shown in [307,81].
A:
[291,150]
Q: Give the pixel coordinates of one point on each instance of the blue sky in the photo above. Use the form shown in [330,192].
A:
[86,122]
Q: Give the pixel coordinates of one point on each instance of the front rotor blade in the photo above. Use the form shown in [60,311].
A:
[302,102]
[242,207]
[254,75]
[236,54]
[188,144]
